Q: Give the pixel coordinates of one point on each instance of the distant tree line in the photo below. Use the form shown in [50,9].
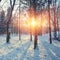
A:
[2,22]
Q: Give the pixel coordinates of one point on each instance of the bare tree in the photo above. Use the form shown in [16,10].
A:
[35,31]
[12,3]
[49,2]
[55,21]
[30,23]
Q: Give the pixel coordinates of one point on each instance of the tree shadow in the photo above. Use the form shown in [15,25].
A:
[5,45]
[12,54]
[25,52]
[36,53]
[51,50]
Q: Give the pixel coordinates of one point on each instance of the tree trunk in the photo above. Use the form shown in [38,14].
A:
[31,37]
[35,32]
[9,20]
[49,23]
[55,33]
[35,41]
[35,37]
[8,34]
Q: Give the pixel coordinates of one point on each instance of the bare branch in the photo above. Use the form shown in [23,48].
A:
[12,3]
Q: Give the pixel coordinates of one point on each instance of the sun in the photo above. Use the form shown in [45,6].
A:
[33,23]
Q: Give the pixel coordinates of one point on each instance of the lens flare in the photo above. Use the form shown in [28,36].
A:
[30,21]
[33,23]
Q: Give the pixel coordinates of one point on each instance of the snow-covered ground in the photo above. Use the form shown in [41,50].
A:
[24,49]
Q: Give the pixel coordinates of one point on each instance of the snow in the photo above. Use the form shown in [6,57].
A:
[24,49]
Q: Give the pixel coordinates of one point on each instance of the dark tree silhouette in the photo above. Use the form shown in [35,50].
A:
[49,2]
[12,3]
[55,30]
[30,23]
[19,21]
[35,31]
